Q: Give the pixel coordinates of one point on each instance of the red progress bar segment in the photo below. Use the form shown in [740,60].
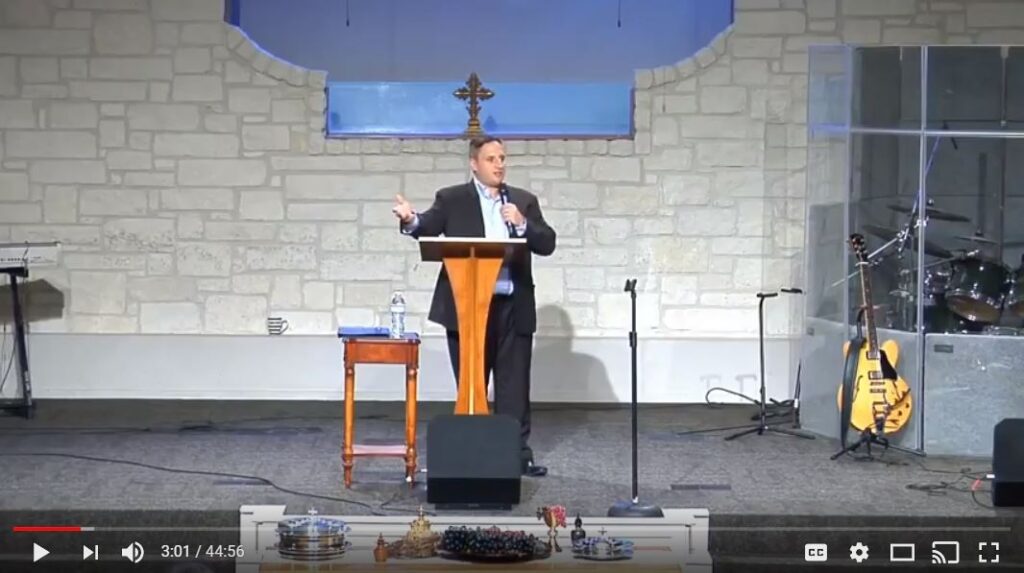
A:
[50,528]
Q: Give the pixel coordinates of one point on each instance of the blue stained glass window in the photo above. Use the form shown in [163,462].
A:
[429,109]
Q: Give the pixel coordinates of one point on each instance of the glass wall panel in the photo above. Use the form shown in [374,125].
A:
[966,89]
[826,254]
[938,198]
[886,87]
[974,348]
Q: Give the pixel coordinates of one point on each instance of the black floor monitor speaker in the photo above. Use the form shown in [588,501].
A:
[474,461]
[1008,463]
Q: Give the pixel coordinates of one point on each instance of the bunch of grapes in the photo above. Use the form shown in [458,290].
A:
[465,541]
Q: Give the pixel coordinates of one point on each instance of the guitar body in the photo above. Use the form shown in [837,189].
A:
[870,391]
[880,402]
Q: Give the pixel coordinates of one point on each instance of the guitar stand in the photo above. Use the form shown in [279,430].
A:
[867,437]
[762,414]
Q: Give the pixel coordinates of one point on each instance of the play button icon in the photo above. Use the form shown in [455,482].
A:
[38,552]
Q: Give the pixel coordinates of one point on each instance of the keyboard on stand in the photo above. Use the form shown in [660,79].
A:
[15,255]
[15,260]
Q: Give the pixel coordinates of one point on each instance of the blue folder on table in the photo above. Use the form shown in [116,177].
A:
[362,331]
[370,332]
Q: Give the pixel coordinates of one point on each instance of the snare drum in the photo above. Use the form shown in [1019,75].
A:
[977,288]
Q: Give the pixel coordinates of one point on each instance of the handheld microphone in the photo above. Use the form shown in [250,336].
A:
[503,192]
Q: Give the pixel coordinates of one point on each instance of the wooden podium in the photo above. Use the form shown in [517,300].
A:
[473,265]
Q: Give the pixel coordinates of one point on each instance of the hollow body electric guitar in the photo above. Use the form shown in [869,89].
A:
[881,400]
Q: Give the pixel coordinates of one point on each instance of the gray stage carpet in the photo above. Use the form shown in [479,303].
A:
[212,457]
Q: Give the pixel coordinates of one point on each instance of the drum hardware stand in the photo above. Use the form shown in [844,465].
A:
[900,240]
[25,404]
[762,415]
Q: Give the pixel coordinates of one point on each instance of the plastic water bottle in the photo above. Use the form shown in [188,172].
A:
[397,315]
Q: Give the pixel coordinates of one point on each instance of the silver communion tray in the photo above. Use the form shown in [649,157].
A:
[312,538]
[603,549]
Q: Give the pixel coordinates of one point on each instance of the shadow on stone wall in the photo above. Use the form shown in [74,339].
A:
[40,300]
[556,364]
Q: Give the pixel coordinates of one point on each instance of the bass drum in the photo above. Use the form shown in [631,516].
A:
[940,319]
[977,288]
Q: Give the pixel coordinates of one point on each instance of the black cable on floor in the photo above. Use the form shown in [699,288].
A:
[724,428]
[376,511]
[209,426]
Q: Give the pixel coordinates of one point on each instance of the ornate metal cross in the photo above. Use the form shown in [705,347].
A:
[475,92]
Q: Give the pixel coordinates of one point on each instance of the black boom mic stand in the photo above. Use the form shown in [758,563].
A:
[762,424]
[634,508]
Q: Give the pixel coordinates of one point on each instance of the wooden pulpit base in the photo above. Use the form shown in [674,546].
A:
[473,280]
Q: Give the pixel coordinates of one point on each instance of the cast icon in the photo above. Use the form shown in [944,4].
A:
[945,552]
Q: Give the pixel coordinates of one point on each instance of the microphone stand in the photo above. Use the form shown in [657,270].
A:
[762,425]
[634,508]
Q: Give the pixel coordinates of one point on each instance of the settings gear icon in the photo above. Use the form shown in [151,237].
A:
[859,552]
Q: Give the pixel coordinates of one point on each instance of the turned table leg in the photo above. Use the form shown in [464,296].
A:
[350,419]
[410,424]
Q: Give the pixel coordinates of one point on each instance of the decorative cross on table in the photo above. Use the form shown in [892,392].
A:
[475,92]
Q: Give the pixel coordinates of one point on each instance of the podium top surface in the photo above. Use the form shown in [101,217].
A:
[439,248]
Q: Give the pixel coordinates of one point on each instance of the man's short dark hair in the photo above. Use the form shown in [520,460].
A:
[479,141]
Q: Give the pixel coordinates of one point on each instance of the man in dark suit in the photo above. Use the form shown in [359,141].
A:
[487,207]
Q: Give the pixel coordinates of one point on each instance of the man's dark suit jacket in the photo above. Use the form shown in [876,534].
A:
[456,213]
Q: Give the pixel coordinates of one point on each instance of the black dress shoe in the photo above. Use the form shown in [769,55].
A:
[531,470]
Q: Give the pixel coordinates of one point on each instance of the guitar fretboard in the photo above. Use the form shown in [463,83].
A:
[869,311]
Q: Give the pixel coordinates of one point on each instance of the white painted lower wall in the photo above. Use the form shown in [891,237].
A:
[300,367]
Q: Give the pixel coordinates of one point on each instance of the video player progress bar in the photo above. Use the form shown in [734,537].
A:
[80,528]
[51,528]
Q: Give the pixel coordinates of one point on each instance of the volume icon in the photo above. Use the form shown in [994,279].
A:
[133,552]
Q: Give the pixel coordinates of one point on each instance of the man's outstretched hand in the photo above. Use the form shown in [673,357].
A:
[403,210]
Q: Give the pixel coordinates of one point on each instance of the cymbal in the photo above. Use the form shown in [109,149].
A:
[933,213]
[976,239]
[930,248]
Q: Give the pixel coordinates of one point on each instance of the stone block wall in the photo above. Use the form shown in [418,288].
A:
[186,173]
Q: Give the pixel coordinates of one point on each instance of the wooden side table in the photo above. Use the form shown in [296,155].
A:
[381,350]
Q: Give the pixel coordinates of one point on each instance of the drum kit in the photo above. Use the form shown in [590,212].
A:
[964,291]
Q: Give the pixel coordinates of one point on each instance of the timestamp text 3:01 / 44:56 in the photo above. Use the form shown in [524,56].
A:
[201,551]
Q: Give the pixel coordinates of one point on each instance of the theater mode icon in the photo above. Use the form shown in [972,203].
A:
[901,552]
[816,552]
